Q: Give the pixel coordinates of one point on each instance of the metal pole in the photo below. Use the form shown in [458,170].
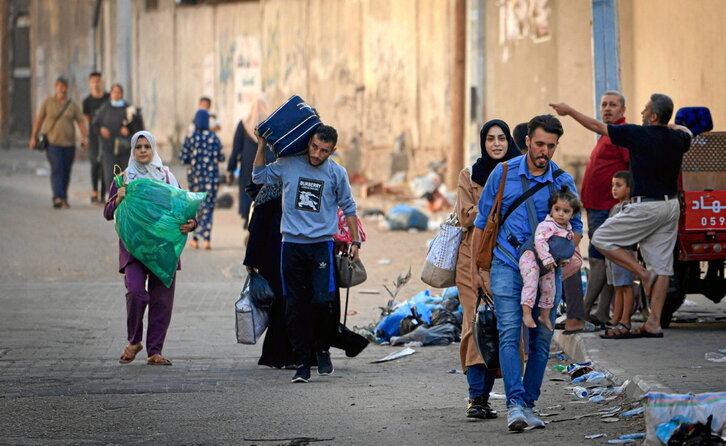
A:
[606,47]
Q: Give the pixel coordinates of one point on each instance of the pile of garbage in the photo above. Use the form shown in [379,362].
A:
[674,419]
[425,319]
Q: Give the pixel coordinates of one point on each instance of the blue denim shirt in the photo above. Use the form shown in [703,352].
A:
[518,222]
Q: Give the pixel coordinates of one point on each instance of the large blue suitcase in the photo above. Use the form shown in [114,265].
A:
[290,127]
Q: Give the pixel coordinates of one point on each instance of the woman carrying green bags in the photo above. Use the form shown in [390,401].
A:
[144,162]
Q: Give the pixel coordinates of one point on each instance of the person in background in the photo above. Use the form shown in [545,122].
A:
[205,103]
[651,220]
[143,287]
[202,153]
[496,146]
[95,99]
[617,276]
[244,147]
[605,160]
[519,134]
[110,122]
[56,116]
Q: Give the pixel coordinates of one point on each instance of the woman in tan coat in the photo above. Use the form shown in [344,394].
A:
[496,146]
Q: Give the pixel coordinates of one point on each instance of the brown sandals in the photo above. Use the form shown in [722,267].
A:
[157,359]
[130,352]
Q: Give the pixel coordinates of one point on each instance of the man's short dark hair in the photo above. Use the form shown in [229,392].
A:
[519,133]
[119,86]
[326,133]
[62,79]
[662,106]
[205,98]
[616,93]
[94,74]
[547,122]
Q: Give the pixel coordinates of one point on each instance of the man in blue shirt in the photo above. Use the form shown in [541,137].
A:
[313,188]
[544,132]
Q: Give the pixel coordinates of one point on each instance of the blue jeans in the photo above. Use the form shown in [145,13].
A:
[506,283]
[61,162]
[595,218]
[480,381]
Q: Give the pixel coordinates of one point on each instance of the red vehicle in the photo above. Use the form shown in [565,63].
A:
[701,244]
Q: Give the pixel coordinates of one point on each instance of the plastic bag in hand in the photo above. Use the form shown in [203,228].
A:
[148,220]
[260,292]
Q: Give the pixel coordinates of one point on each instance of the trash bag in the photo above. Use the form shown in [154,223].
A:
[662,408]
[439,335]
[260,292]
[451,304]
[390,325]
[486,335]
[404,217]
[148,220]
[224,201]
[410,322]
[441,316]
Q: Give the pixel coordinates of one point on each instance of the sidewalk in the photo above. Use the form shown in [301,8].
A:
[674,364]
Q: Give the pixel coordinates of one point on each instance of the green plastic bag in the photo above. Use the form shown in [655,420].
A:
[148,220]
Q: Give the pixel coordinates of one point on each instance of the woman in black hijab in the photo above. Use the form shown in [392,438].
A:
[496,146]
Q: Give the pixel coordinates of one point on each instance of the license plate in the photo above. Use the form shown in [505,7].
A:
[705,210]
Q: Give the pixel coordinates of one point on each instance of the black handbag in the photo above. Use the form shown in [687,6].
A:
[486,335]
[349,274]
[42,143]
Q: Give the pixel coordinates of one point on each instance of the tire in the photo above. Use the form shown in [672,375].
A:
[676,291]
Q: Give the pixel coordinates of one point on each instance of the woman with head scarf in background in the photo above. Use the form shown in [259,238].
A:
[144,162]
[496,146]
[244,148]
[202,153]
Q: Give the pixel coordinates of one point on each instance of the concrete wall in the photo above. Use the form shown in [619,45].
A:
[675,48]
[526,71]
[380,70]
[374,69]
[61,43]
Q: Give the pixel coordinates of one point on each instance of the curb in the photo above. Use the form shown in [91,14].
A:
[576,347]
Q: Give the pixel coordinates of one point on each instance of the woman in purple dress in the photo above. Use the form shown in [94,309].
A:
[144,162]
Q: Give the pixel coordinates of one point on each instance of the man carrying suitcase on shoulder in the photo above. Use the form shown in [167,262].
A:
[313,190]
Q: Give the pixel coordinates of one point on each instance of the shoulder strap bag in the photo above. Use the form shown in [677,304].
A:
[491,230]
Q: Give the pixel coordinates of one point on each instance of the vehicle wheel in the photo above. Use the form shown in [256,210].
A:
[676,292]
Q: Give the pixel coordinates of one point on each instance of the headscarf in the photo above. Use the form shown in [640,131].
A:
[483,166]
[201,120]
[154,170]
[269,192]
[258,112]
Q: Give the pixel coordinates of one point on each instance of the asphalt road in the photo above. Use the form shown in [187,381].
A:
[62,330]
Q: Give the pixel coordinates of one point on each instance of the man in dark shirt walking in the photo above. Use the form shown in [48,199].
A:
[91,104]
[651,220]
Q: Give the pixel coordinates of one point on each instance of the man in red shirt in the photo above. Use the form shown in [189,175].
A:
[605,160]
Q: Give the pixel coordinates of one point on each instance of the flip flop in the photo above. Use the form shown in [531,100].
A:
[130,352]
[620,331]
[641,332]
[589,327]
[157,359]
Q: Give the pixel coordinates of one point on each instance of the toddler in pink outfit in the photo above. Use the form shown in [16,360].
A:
[537,266]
